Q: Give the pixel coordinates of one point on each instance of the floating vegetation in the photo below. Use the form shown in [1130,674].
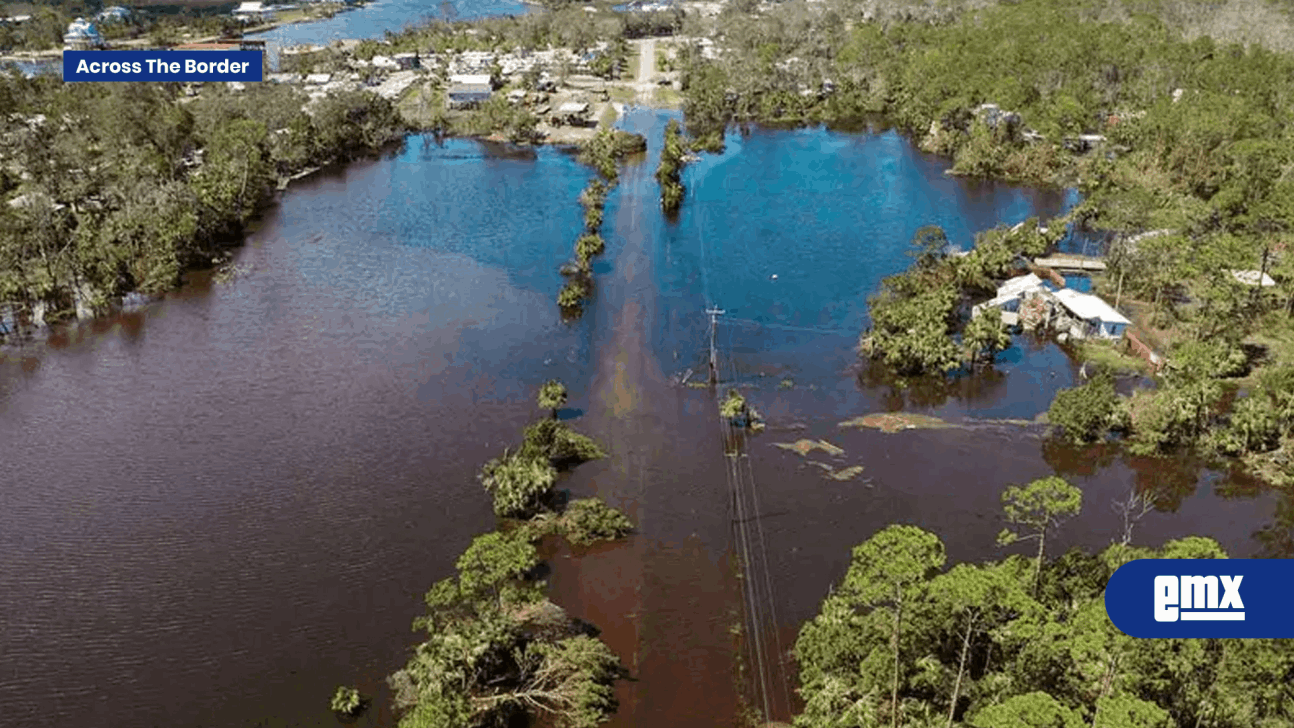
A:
[786,384]
[804,447]
[896,421]
[848,473]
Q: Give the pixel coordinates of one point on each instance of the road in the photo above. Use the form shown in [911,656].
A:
[646,81]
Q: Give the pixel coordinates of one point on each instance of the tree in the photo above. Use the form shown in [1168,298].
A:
[347,701]
[887,572]
[518,484]
[985,336]
[552,396]
[1031,710]
[492,562]
[975,597]
[1085,412]
[1039,507]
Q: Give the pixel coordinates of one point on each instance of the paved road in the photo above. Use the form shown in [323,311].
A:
[646,84]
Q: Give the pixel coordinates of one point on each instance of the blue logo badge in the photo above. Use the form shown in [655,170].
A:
[1192,598]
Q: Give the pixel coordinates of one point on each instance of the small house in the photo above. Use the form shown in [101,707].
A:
[253,12]
[1091,315]
[406,61]
[81,35]
[318,79]
[1009,295]
[516,96]
[572,113]
[467,95]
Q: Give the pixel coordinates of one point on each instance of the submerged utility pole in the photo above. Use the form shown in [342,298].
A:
[715,313]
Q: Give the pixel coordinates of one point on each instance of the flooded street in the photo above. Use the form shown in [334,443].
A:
[215,511]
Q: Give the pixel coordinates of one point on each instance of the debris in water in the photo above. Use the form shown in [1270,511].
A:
[896,421]
[848,473]
[804,447]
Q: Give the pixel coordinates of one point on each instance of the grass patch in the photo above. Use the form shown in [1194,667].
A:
[623,94]
[667,98]
[1107,356]
[609,116]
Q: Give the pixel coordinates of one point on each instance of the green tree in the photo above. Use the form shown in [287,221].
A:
[1031,710]
[1038,507]
[552,396]
[493,563]
[518,483]
[985,336]
[1085,412]
[887,572]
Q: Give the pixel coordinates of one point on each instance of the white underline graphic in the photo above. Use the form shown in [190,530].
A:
[1212,616]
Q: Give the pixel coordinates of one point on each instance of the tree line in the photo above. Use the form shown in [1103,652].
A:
[1023,642]
[496,650]
[119,188]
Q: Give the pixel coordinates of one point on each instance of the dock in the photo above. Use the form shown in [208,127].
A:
[1070,262]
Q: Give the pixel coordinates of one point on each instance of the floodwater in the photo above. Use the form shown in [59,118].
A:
[215,511]
[378,18]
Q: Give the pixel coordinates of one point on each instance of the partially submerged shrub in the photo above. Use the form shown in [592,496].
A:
[590,520]
[347,701]
[518,482]
[559,444]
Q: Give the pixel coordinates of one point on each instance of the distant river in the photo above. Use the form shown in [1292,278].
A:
[215,511]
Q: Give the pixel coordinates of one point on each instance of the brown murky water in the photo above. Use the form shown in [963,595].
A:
[215,511]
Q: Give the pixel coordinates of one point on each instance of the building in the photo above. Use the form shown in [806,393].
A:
[572,113]
[81,35]
[1090,315]
[253,12]
[465,95]
[407,61]
[114,14]
[1009,295]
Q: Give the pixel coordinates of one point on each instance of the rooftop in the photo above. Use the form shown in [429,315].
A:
[1086,306]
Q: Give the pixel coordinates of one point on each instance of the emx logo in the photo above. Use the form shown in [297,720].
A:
[1197,597]
[1202,598]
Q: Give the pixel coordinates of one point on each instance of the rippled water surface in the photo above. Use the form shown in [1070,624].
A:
[215,511]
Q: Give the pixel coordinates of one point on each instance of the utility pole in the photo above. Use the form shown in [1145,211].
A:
[715,313]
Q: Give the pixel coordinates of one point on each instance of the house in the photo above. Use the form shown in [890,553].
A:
[1253,278]
[81,35]
[572,113]
[406,61]
[1091,316]
[114,14]
[471,79]
[1009,295]
[516,96]
[467,95]
[318,79]
[14,19]
[253,12]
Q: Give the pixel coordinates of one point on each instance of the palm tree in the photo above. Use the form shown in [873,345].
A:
[552,396]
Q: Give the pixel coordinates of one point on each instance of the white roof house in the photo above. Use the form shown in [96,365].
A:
[82,35]
[1100,316]
[470,79]
[1251,278]
[1018,285]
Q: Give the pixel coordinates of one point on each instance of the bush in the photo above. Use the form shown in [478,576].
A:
[587,246]
[1085,413]
[551,440]
[573,294]
[590,520]
[518,482]
[347,701]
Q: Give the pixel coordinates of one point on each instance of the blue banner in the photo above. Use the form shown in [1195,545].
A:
[1194,598]
[162,65]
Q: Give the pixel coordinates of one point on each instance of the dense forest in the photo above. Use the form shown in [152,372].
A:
[1023,642]
[118,188]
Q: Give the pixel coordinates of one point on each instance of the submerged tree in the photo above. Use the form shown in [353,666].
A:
[985,336]
[552,396]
